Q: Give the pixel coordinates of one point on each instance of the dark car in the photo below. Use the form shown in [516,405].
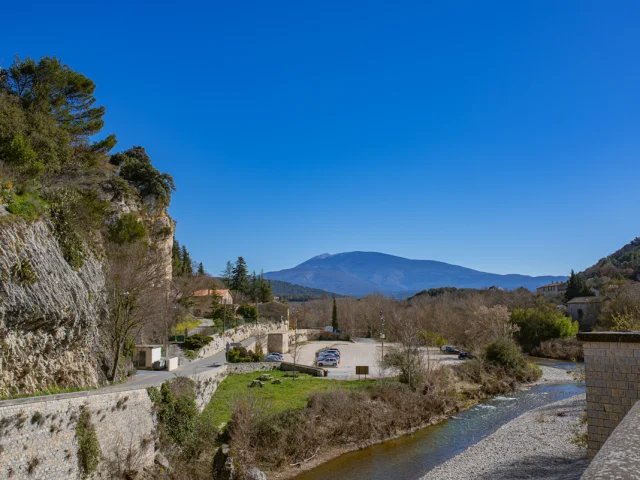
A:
[464,355]
[450,349]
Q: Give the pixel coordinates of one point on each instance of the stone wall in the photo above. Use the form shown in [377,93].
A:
[37,439]
[619,457]
[239,334]
[612,369]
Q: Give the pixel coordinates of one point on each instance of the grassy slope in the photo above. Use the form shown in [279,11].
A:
[290,394]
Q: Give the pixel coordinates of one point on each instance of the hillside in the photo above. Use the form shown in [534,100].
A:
[623,263]
[293,292]
[362,273]
[85,237]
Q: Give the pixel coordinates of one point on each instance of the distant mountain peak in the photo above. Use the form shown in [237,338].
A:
[322,256]
[361,273]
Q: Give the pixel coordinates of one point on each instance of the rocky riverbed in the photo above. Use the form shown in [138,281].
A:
[536,445]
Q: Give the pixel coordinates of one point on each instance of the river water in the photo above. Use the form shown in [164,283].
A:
[410,457]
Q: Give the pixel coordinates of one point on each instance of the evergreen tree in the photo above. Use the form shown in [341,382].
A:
[576,288]
[240,277]
[254,287]
[176,258]
[200,269]
[227,275]
[264,293]
[334,315]
[187,263]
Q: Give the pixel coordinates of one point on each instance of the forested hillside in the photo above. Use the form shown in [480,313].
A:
[298,293]
[623,263]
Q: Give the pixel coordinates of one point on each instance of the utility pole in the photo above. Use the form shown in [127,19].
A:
[382,333]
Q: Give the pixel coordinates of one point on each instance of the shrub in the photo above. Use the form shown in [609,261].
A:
[147,179]
[127,229]
[89,452]
[541,323]
[248,311]
[196,342]
[561,348]
[242,355]
[28,206]
[506,354]
[23,273]
[178,411]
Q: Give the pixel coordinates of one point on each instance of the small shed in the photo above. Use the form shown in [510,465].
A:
[145,355]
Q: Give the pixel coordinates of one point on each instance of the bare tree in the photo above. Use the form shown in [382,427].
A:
[137,289]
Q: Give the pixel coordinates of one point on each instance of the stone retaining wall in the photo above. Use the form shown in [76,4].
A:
[37,440]
[239,334]
[37,434]
[612,369]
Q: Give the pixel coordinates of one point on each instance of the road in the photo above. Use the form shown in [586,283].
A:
[142,379]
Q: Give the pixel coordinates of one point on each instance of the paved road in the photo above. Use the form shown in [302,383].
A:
[142,379]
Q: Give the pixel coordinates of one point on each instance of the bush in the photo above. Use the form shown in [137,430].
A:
[23,273]
[542,323]
[127,229]
[89,452]
[28,206]
[561,348]
[196,342]
[147,179]
[177,409]
[248,311]
[506,354]
[242,355]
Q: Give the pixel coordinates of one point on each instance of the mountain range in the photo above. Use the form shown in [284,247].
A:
[362,273]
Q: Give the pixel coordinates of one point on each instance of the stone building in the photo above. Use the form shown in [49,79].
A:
[585,310]
[551,289]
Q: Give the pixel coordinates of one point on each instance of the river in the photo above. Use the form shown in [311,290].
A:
[411,456]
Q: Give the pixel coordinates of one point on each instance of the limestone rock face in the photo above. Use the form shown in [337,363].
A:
[49,316]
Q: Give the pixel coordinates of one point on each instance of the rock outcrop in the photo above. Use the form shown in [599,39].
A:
[49,313]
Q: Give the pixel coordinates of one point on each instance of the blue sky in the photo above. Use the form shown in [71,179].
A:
[502,136]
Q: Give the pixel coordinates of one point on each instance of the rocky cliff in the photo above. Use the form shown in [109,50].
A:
[49,313]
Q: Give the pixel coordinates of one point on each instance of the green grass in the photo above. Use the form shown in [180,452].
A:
[291,394]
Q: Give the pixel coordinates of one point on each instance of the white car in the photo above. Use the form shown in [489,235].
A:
[328,362]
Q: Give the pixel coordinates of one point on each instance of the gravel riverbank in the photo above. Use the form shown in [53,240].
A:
[536,445]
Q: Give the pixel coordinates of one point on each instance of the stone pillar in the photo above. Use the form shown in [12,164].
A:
[612,370]
[278,342]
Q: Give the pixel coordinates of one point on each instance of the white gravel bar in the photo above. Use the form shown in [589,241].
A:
[536,445]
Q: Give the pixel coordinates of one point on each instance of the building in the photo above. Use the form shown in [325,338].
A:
[585,310]
[552,289]
[145,355]
[225,295]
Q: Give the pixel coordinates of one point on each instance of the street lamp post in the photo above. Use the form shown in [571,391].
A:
[382,333]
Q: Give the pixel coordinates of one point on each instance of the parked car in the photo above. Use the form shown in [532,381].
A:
[272,358]
[328,362]
[333,351]
[276,354]
[464,355]
[160,364]
[324,358]
[449,349]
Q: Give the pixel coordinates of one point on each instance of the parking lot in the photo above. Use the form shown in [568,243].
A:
[360,352]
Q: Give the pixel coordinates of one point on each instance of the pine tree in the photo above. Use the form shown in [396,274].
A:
[176,258]
[187,264]
[227,275]
[576,288]
[200,269]
[334,315]
[264,293]
[240,278]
